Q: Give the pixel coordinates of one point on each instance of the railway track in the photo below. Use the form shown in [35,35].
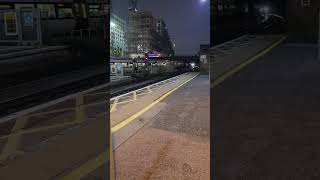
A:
[16,104]
[27,123]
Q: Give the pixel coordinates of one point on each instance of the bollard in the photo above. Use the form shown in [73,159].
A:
[80,115]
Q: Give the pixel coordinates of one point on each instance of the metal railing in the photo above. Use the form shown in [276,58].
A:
[23,120]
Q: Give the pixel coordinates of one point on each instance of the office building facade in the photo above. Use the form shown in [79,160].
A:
[147,34]
[118,36]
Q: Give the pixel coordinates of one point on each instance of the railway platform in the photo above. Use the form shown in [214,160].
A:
[266,115]
[228,58]
[159,126]
[55,136]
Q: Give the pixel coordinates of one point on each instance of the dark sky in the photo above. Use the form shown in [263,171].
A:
[188,21]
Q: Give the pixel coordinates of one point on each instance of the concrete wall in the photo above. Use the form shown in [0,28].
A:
[303,22]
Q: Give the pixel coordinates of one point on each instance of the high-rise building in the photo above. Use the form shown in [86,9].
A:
[118,40]
[164,44]
[141,33]
[147,34]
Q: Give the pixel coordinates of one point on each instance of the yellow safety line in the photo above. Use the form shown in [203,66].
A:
[88,167]
[242,65]
[112,170]
[134,116]
[93,164]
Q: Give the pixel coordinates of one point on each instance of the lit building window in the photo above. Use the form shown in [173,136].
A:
[64,11]
[47,10]
[10,21]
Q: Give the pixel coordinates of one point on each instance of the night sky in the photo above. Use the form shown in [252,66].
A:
[188,21]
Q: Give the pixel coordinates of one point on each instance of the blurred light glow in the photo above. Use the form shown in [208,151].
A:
[265,9]
[112,24]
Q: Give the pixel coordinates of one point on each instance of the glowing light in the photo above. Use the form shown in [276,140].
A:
[153,55]
[112,24]
[265,9]
[203,1]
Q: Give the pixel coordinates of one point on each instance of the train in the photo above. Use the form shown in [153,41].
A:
[143,68]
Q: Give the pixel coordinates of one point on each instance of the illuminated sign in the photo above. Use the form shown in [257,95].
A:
[153,55]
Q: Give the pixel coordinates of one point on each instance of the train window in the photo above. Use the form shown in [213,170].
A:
[20,6]
[76,9]
[47,10]
[94,10]
[84,10]
[10,21]
[64,11]
[7,6]
[124,64]
[113,69]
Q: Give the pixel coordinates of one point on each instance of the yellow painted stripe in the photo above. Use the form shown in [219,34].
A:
[242,65]
[95,163]
[88,167]
[136,115]
[112,168]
